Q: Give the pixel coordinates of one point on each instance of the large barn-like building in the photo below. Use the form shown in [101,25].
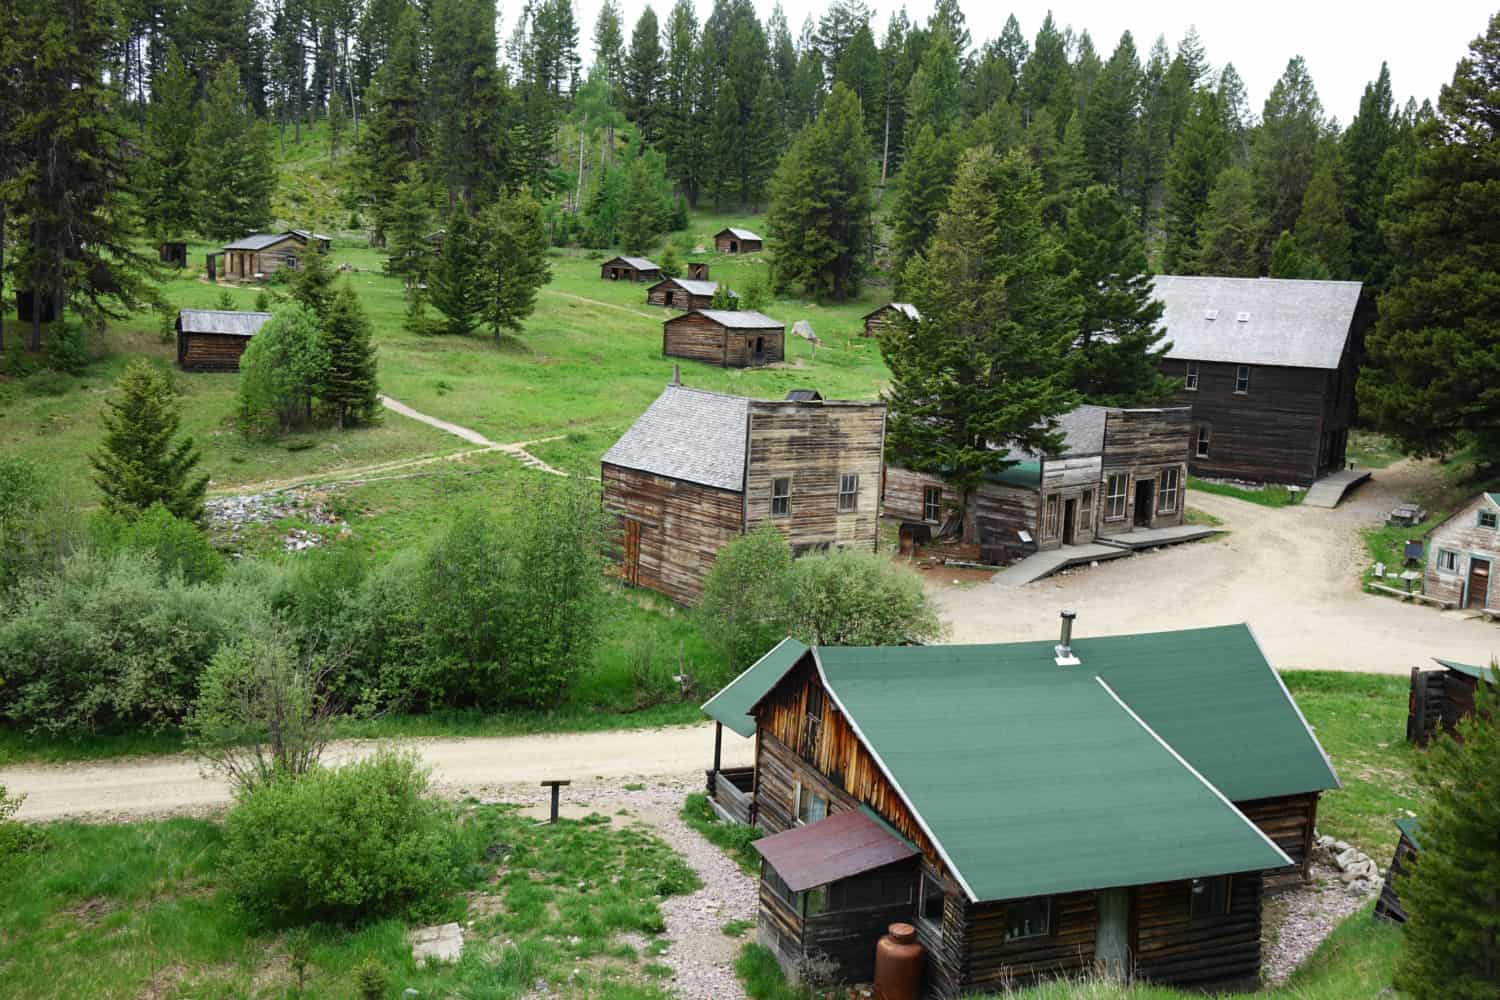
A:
[212,340]
[1034,809]
[1268,366]
[698,469]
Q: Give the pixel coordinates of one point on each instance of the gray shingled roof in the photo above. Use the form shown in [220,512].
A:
[308,234]
[688,434]
[1298,324]
[639,263]
[225,321]
[741,319]
[740,234]
[904,308]
[256,241]
[695,287]
[1083,434]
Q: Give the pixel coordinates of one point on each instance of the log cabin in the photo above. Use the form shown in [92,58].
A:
[1035,809]
[697,270]
[629,269]
[877,321]
[734,240]
[739,338]
[1463,556]
[1408,849]
[683,293]
[1268,366]
[1118,470]
[212,340]
[1440,699]
[260,255]
[698,469]
[172,253]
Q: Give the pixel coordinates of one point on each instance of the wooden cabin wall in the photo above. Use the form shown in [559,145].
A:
[1141,444]
[991,962]
[885,319]
[1289,820]
[1339,407]
[681,298]
[1424,707]
[210,352]
[682,527]
[1067,479]
[1389,904]
[740,347]
[814,444]
[721,244]
[1175,948]
[778,926]
[1269,434]
[904,491]
[1462,534]
[1458,700]
[695,337]
[1003,510]
[848,936]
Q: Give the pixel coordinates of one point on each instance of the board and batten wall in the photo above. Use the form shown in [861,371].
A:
[682,526]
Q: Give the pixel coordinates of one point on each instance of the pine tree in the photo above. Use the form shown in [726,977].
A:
[643,76]
[235,172]
[1450,947]
[455,285]
[469,100]
[350,387]
[932,94]
[1013,46]
[169,206]
[410,222]
[513,241]
[724,298]
[1234,103]
[1230,232]
[1285,149]
[682,135]
[1432,375]
[396,131]
[722,178]
[138,463]
[1109,120]
[1046,79]
[859,70]
[644,204]
[1086,69]
[312,283]
[1116,358]
[983,370]
[762,143]
[609,48]
[1322,230]
[1290,260]
[821,203]
[921,193]
[1153,136]
[1364,146]
[1201,154]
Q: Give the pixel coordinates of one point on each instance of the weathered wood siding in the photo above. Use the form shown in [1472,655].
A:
[814,444]
[1438,701]
[1001,510]
[1389,904]
[904,492]
[1175,948]
[699,338]
[617,270]
[1067,479]
[725,243]
[883,319]
[991,962]
[210,352]
[682,527]
[1288,820]
[681,297]
[1272,433]
[247,264]
[1462,535]
[740,346]
[1144,444]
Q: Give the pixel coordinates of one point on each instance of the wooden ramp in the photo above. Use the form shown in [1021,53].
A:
[1042,564]
[1150,538]
[1332,488]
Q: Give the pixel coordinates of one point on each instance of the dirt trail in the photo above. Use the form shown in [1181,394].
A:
[605,305]
[159,786]
[517,450]
[1291,573]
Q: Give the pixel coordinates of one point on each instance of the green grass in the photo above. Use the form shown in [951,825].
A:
[1386,543]
[737,928]
[126,911]
[1195,516]
[733,839]
[1269,495]
[1372,450]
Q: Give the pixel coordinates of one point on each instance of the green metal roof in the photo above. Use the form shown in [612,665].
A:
[1412,829]
[732,705]
[1033,778]
[1485,674]
[1027,474]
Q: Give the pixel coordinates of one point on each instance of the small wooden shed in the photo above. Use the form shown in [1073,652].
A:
[683,293]
[697,270]
[1408,849]
[890,314]
[173,253]
[733,240]
[260,255]
[1463,556]
[1441,698]
[629,269]
[212,340]
[731,338]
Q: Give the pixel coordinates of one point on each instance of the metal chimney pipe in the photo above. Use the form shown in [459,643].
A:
[1064,649]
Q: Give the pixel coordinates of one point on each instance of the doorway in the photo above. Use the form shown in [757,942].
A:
[1479,583]
[1070,518]
[1145,496]
[734,246]
[630,566]
[669,298]
[760,350]
[1112,946]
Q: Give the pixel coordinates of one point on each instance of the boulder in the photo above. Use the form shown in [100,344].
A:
[441,943]
[803,329]
[1346,858]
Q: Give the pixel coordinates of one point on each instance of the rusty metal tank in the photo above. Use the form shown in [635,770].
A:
[898,964]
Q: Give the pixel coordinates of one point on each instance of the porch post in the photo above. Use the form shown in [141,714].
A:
[718,744]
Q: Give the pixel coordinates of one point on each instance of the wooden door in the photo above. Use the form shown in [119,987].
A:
[1145,497]
[1479,583]
[1070,519]
[631,564]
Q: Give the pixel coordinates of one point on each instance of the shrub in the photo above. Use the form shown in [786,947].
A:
[68,350]
[36,530]
[743,612]
[362,840]
[392,653]
[755,291]
[282,370]
[263,301]
[847,597]
[49,383]
[15,837]
[179,547]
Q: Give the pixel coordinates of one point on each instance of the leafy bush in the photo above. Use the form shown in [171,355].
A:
[15,837]
[847,597]
[743,612]
[179,547]
[36,531]
[68,350]
[282,369]
[362,840]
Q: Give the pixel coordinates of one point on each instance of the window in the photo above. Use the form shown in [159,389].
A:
[1202,441]
[1242,378]
[1192,376]
[776,883]
[812,726]
[1114,498]
[1447,562]
[1086,511]
[848,492]
[930,905]
[811,806]
[1049,530]
[932,502]
[1209,897]
[781,497]
[1489,519]
[862,892]
[1027,919]
[1168,491]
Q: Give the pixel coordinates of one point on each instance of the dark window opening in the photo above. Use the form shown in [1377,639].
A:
[848,493]
[932,502]
[930,905]
[781,497]
[1191,379]
[1209,897]
[1242,379]
[1028,919]
[1203,435]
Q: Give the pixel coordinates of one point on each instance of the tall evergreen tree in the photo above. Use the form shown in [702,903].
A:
[821,203]
[1231,231]
[1322,231]
[470,99]
[645,203]
[682,133]
[1432,376]
[921,193]
[1153,135]
[1046,80]
[762,143]
[456,288]
[1289,259]
[932,94]
[169,202]
[141,461]
[1364,146]
[609,48]
[1201,154]
[1234,102]
[312,284]
[234,168]
[1116,358]
[350,387]
[1285,149]
[1013,46]
[1109,119]
[859,70]
[982,371]
[397,132]
[409,222]
[643,76]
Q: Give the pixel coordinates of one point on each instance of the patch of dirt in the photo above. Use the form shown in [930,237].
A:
[90,911]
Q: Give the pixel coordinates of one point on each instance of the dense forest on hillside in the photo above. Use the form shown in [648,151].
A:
[160,118]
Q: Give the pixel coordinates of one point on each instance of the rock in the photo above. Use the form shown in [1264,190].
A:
[409,992]
[1347,857]
[803,329]
[441,943]
[1339,847]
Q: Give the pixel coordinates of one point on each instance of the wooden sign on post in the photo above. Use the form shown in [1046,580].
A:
[554,785]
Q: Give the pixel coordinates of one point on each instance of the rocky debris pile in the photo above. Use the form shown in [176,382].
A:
[229,515]
[1297,920]
[1358,872]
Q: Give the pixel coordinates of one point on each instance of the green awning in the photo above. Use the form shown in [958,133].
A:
[1485,674]
[1410,828]
[732,705]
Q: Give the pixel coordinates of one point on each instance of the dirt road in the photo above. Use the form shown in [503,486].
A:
[159,786]
[1291,573]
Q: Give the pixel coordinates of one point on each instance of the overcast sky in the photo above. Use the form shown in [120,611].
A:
[1343,42]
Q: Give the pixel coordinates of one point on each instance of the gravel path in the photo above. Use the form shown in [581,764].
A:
[517,450]
[1298,920]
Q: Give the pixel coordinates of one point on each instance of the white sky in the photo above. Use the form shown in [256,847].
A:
[1343,42]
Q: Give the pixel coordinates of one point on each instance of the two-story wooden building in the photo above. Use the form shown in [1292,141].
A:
[1463,556]
[1035,809]
[698,469]
[733,338]
[212,340]
[1118,469]
[1268,366]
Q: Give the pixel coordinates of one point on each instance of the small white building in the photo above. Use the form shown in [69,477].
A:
[1463,555]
